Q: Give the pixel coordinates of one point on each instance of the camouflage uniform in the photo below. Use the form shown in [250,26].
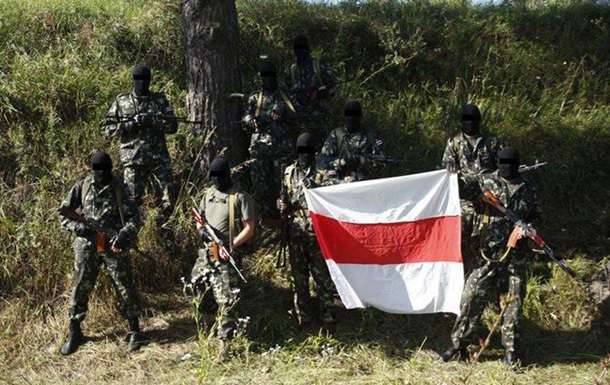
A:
[599,289]
[112,208]
[269,144]
[305,254]
[143,152]
[216,275]
[345,157]
[502,269]
[303,83]
[470,156]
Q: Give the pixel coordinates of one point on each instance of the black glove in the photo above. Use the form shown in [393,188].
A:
[82,230]
[122,240]
[146,120]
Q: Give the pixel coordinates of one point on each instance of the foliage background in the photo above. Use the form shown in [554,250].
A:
[538,70]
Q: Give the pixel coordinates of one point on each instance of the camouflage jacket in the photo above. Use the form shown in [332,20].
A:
[494,228]
[270,136]
[472,158]
[109,206]
[296,180]
[261,104]
[145,145]
[347,154]
[304,83]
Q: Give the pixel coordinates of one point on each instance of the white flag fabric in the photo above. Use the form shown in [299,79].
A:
[393,243]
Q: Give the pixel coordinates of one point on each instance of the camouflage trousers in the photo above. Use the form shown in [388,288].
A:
[271,149]
[159,181]
[599,291]
[305,260]
[86,268]
[222,280]
[470,242]
[481,287]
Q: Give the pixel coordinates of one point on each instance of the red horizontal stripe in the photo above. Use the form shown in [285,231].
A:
[426,240]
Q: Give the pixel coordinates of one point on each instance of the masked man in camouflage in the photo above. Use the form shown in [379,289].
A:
[141,119]
[501,265]
[310,83]
[231,214]
[266,115]
[470,153]
[347,153]
[599,289]
[305,255]
[100,212]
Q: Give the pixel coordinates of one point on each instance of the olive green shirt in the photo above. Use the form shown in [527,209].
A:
[215,207]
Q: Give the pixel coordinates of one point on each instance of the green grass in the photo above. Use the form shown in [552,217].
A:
[539,73]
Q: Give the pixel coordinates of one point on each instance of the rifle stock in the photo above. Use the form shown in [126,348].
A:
[529,231]
[223,253]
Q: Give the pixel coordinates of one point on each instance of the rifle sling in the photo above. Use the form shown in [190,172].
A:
[231,201]
[260,99]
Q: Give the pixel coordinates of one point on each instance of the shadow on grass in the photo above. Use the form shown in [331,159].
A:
[399,336]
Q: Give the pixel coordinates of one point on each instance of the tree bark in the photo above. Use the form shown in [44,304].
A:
[212,45]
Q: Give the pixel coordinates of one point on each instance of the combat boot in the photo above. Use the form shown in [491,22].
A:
[328,317]
[511,358]
[224,351]
[136,339]
[454,353]
[73,340]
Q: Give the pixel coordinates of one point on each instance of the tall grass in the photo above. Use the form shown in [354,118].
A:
[540,75]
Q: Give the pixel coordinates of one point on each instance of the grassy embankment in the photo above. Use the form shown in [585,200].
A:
[541,78]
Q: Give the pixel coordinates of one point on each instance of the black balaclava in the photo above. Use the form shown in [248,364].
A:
[268,76]
[301,49]
[353,115]
[141,80]
[101,166]
[220,174]
[471,120]
[306,151]
[508,163]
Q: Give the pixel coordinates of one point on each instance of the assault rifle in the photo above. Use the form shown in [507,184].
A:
[527,230]
[379,156]
[535,166]
[223,253]
[138,118]
[242,167]
[103,235]
[285,228]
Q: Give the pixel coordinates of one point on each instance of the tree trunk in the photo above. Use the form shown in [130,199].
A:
[212,45]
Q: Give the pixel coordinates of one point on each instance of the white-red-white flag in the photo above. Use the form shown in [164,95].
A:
[393,243]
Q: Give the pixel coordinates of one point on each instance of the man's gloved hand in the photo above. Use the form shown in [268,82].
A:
[82,230]
[121,241]
[146,119]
